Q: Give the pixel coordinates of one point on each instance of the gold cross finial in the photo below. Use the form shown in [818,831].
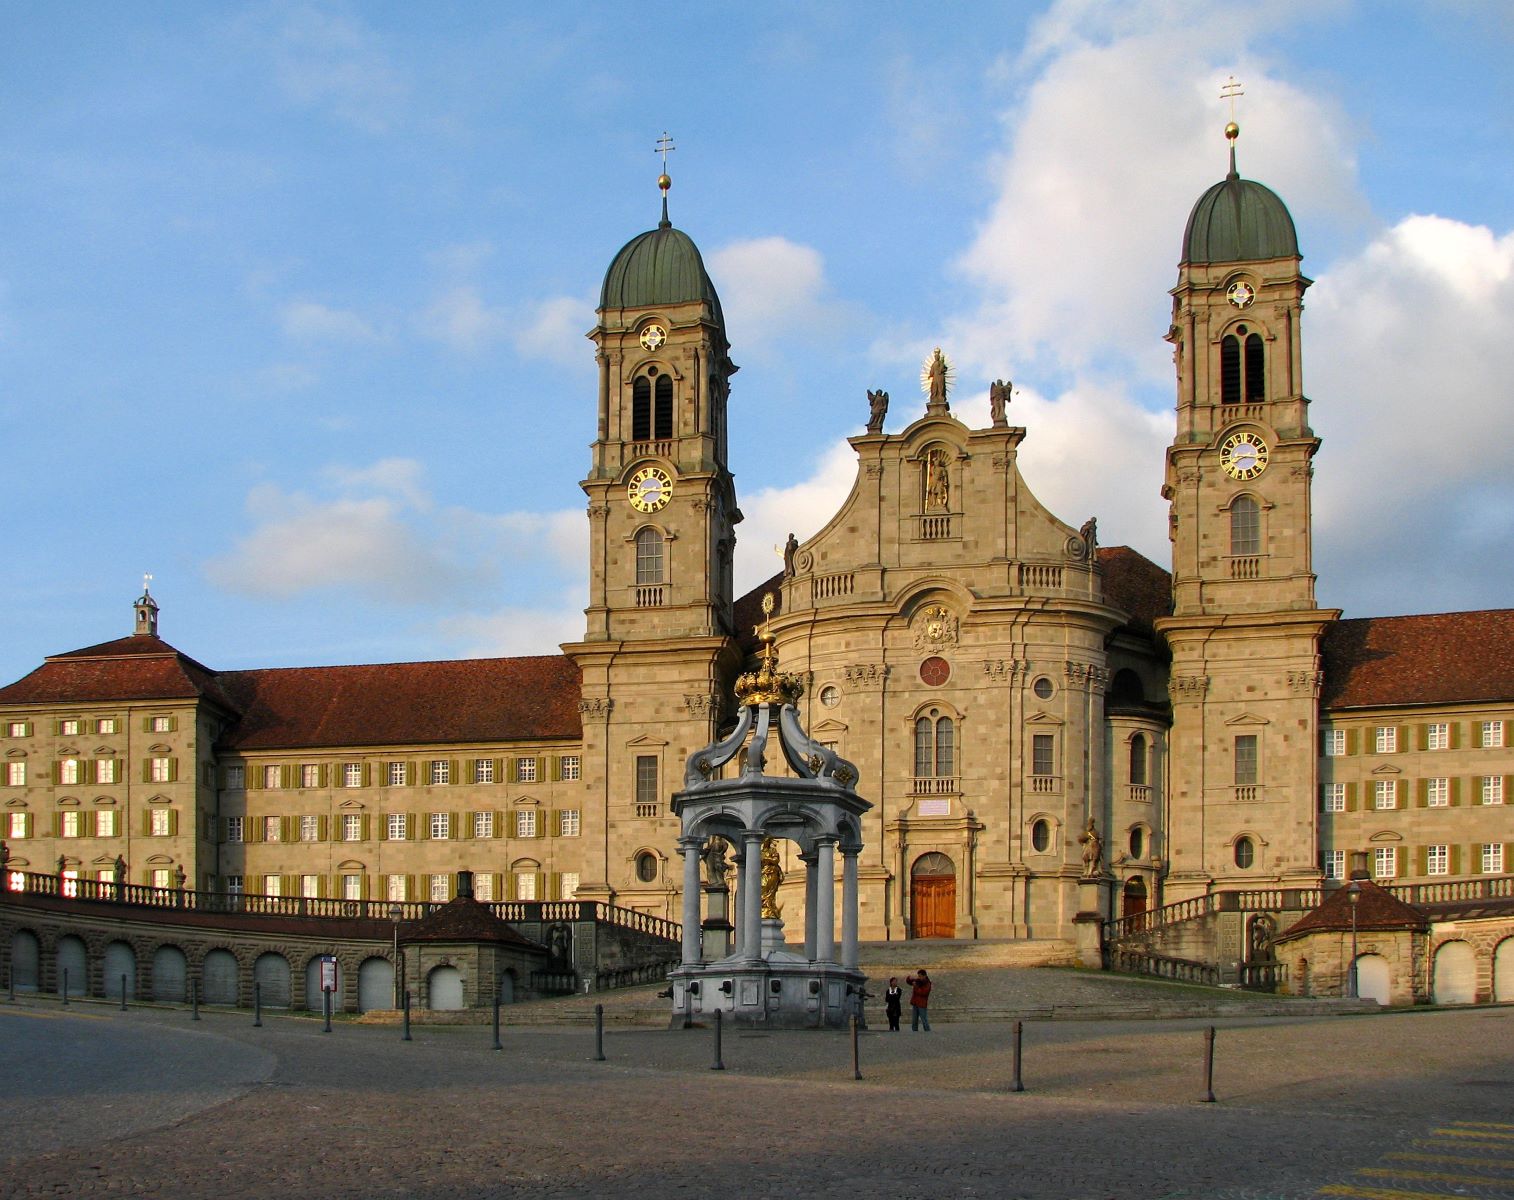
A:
[664,145]
[1230,91]
[146,582]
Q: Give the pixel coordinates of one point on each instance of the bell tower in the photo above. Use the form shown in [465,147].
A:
[659,651]
[1245,628]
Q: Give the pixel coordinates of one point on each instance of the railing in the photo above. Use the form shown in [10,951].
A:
[554,983]
[936,528]
[1246,567]
[1033,575]
[1043,785]
[934,785]
[140,895]
[663,449]
[1497,887]
[1247,791]
[1262,976]
[1240,412]
[829,587]
[1158,918]
[1140,793]
[1162,966]
[649,595]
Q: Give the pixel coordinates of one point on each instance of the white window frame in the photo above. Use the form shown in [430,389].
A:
[1438,793]
[105,770]
[525,885]
[272,776]
[162,878]
[310,828]
[1438,735]
[160,770]
[68,727]
[105,725]
[68,771]
[352,827]
[273,829]
[106,822]
[569,823]
[1335,743]
[483,824]
[525,827]
[273,885]
[69,825]
[1334,799]
[234,885]
[310,775]
[352,887]
[439,772]
[160,821]
[567,885]
[234,829]
[394,772]
[525,770]
[310,887]
[1492,858]
[570,767]
[395,887]
[394,827]
[236,778]
[16,825]
[1492,789]
[352,775]
[483,770]
[1385,862]
[483,887]
[1491,735]
[438,889]
[161,725]
[1335,864]
[1384,795]
[1438,860]
[15,774]
[1385,739]
[440,825]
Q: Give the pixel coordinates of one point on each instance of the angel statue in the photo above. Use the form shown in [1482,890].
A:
[999,392]
[877,409]
[772,877]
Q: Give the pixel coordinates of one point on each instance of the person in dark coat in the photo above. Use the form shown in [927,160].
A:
[893,1002]
[919,1000]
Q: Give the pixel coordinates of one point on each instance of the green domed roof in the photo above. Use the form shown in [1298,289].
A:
[1239,220]
[661,266]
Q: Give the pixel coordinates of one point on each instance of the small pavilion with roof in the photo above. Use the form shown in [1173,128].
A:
[763,982]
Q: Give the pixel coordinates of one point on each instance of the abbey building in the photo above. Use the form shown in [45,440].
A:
[1025,706]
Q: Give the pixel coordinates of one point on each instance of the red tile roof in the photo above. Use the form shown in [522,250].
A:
[1378,909]
[1434,658]
[464,919]
[1136,585]
[460,700]
[140,667]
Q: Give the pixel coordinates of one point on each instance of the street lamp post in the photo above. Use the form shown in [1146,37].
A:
[1354,895]
[395,913]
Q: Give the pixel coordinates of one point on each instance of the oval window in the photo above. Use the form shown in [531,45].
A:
[1245,852]
[1137,842]
[830,695]
[1040,836]
[646,867]
[1042,688]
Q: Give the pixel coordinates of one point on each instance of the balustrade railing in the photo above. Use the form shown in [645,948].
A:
[1163,966]
[935,527]
[1036,575]
[934,785]
[649,595]
[1045,785]
[657,449]
[1248,566]
[1140,793]
[829,587]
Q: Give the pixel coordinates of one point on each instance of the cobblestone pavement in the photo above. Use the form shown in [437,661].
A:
[1306,1107]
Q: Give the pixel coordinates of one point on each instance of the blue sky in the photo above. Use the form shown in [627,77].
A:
[292,296]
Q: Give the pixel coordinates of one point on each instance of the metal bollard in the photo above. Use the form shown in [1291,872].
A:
[856,1048]
[13,983]
[717,1065]
[257,1005]
[326,1010]
[497,1046]
[194,999]
[65,987]
[1018,1086]
[1209,1065]
[599,1033]
[405,1015]
[123,993]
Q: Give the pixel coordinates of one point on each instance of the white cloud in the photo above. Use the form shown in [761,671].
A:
[1407,359]
[334,62]
[375,532]
[554,329]
[771,514]
[772,289]
[308,321]
[460,318]
[515,631]
[1113,142]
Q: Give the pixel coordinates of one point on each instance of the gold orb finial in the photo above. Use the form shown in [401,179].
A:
[664,182]
[1232,131]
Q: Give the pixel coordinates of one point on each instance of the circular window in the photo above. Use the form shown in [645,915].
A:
[935,671]
[830,695]
[1137,842]
[1042,688]
[646,867]
[1245,852]
[1040,836]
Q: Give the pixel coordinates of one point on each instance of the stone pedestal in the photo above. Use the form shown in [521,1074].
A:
[772,935]
[716,929]
[1093,908]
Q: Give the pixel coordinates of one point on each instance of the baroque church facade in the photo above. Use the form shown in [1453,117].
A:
[1025,707]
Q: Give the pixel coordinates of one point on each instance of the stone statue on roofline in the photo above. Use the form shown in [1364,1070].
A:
[999,392]
[1093,851]
[877,409]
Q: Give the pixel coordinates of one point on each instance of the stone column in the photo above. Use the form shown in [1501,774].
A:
[689,848]
[751,896]
[849,909]
[737,907]
[809,905]
[825,900]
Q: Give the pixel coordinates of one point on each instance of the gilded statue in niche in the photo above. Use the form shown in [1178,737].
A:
[937,481]
[772,877]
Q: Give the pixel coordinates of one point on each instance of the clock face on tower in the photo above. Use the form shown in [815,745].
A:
[1240,293]
[649,489]
[653,336]
[1243,456]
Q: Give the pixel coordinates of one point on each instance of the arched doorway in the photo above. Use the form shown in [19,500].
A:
[271,973]
[169,971]
[933,897]
[1373,979]
[444,989]
[120,965]
[71,957]
[1133,899]
[26,957]
[219,978]
[313,999]
[1455,974]
[375,984]
[1503,971]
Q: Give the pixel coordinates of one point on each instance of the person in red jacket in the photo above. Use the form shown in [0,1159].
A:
[919,1000]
